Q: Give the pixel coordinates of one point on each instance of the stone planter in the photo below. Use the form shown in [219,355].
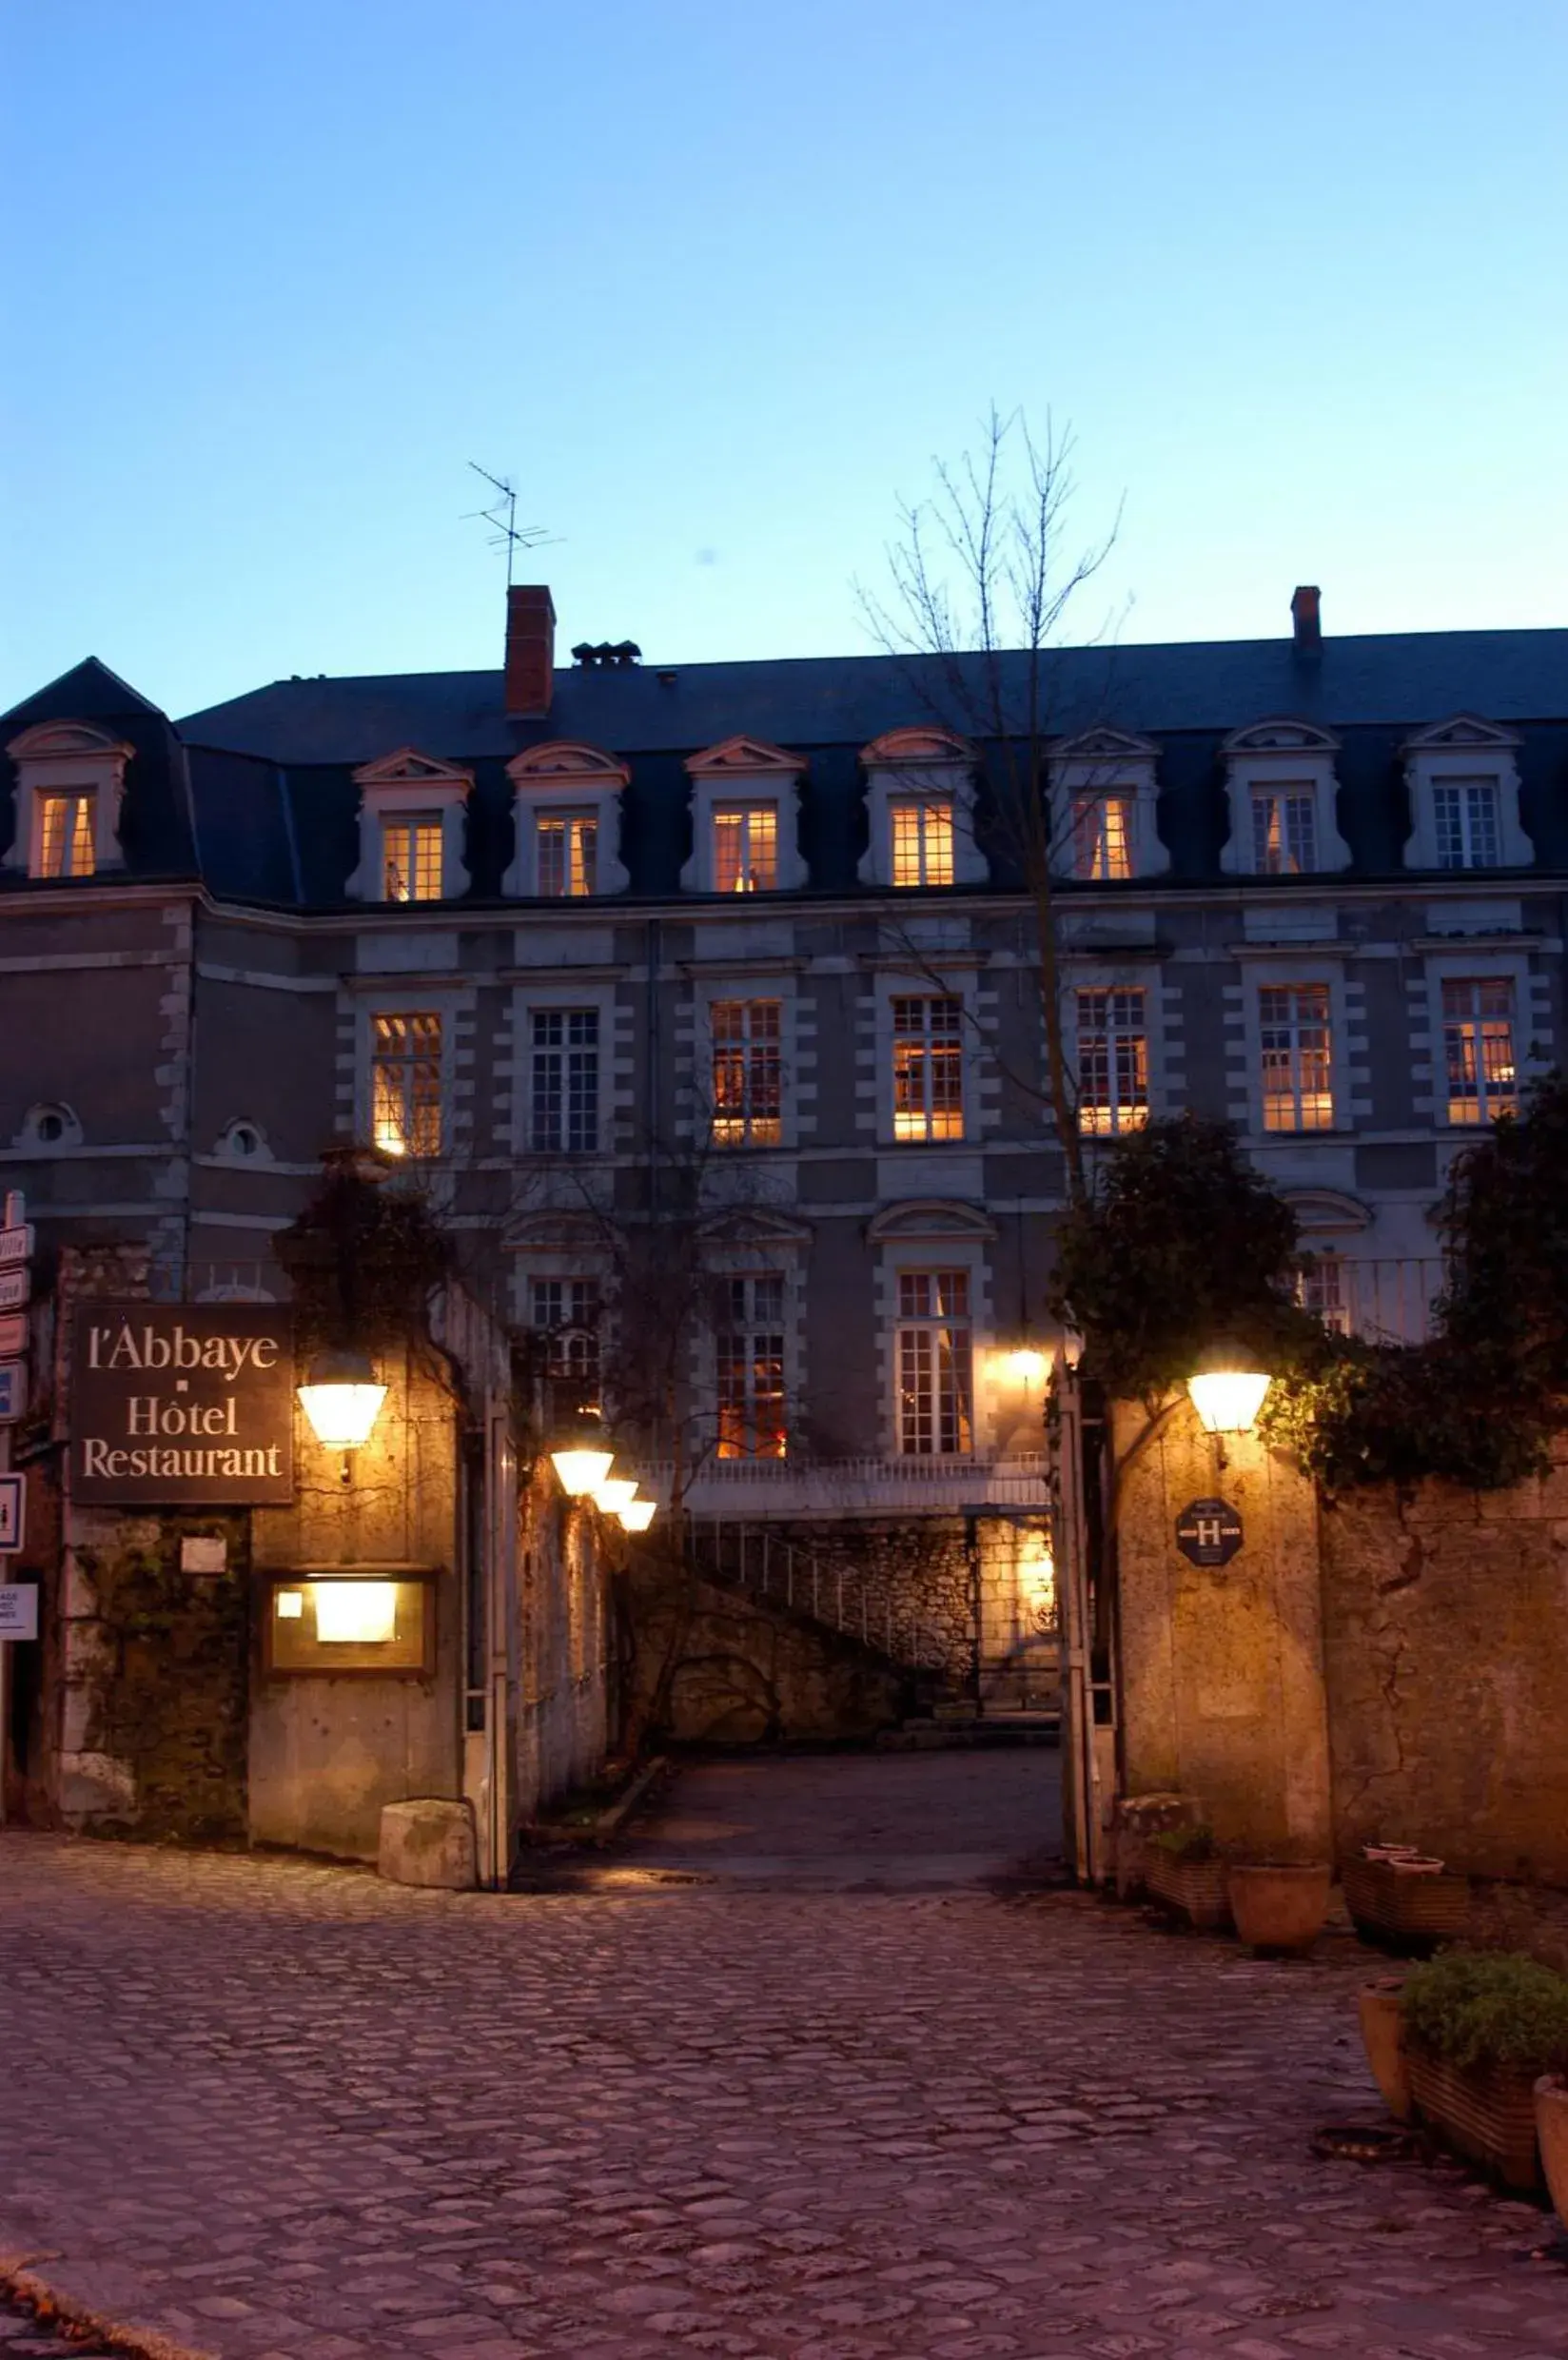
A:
[1403,1909]
[1552,2134]
[1483,2113]
[1197,1890]
[1279,1908]
[1383,2034]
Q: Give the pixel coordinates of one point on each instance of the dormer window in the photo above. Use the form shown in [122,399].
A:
[566,808]
[1280,784]
[744,820]
[746,848]
[1464,797]
[1104,795]
[69,785]
[920,804]
[411,859]
[412,807]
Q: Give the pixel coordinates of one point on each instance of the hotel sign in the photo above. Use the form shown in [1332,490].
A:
[181,1405]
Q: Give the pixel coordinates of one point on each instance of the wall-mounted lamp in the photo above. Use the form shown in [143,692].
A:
[638,1514]
[342,1398]
[1027,1365]
[582,1457]
[618,1491]
[1227,1392]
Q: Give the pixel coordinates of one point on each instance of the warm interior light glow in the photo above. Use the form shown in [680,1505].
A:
[611,1497]
[1227,1400]
[582,1470]
[291,1606]
[350,1612]
[342,1398]
[1026,1366]
[636,1515]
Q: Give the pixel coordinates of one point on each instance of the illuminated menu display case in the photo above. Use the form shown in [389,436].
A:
[377,1619]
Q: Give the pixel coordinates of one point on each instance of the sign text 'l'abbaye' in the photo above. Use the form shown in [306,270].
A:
[182,1403]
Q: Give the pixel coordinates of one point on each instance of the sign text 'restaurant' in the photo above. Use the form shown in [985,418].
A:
[175,1404]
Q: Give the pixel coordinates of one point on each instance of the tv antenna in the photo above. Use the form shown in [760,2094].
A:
[502,516]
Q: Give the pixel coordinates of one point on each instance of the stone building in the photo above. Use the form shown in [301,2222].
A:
[719,982]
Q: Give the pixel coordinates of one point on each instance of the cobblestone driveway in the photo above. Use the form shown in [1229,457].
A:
[279,2109]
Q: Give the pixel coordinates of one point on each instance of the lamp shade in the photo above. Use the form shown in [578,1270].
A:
[1227,1395]
[581,1456]
[342,1398]
[636,1515]
[611,1496]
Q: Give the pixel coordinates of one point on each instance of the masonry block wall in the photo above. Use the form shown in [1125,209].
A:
[564,1704]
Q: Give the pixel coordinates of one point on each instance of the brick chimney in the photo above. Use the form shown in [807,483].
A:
[1309,622]
[530,651]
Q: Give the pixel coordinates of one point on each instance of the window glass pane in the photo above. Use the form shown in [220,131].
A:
[928,1068]
[1102,836]
[933,1360]
[749,1352]
[65,836]
[405,1084]
[746,848]
[564,1081]
[1477,1035]
[1283,832]
[1112,1062]
[1294,1034]
[568,853]
[922,842]
[747,1072]
[411,860]
[1465,817]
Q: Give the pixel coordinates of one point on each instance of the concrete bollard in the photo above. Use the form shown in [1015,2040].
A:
[429,1841]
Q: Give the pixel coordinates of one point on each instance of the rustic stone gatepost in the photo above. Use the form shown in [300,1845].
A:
[1222,1647]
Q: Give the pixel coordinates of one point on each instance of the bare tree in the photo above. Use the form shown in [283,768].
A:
[982,578]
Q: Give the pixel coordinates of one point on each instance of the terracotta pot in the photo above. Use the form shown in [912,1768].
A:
[1551,2096]
[1281,1908]
[1483,2113]
[1196,1888]
[1382,2034]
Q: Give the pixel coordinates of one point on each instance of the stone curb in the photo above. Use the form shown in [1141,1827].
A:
[52,2301]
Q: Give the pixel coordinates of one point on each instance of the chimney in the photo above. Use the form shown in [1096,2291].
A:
[530,651]
[1309,622]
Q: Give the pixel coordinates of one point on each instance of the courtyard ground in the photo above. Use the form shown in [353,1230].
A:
[870,2102]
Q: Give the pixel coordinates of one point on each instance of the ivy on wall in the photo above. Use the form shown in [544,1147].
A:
[364,1258]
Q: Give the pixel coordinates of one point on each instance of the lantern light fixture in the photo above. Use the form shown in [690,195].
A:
[1026,1366]
[614,1494]
[1227,1392]
[342,1398]
[582,1457]
[636,1515]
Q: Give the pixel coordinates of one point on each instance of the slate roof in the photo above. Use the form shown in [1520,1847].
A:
[267,779]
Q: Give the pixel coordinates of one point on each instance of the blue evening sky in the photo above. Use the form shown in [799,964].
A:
[715,281]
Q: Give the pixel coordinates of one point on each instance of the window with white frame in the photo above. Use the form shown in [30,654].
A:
[64,833]
[1323,1288]
[411,858]
[567,853]
[749,1367]
[1465,823]
[934,1356]
[1477,1046]
[1295,1031]
[1285,831]
[745,848]
[927,1068]
[747,1073]
[922,841]
[563,1081]
[565,1316]
[1112,1061]
[405,1082]
[1102,836]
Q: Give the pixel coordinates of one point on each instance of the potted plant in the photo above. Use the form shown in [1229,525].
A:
[1402,1899]
[1186,1870]
[1552,2132]
[1481,2029]
[1280,1905]
[1383,2034]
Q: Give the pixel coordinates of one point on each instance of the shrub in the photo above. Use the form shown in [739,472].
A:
[1489,2008]
[1187,1843]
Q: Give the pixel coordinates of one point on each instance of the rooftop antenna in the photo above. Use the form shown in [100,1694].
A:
[502,514]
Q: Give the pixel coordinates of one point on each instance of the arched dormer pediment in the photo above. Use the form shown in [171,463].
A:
[1104,798]
[744,757]
[930,1221]
[1104,744]
[915,748]
[1282,733]
[745,818]
[70,781]
[411,816]
[566,763]
[1463,733]
[1325,1212]
[920,803]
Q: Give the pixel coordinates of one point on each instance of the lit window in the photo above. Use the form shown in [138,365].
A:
[565,1316]
[746,848]
[1285,832]
[928,1068]
[411,860]
[1102,836]
[747,1075]
[1465,810]
[565,1081]
[65,836]
[405,1084]
[1477,1042]
[568,855]
[1295,1035]
[1323,1288]
[922,842]
[1112,1062]
[934,1359]
[750,1356]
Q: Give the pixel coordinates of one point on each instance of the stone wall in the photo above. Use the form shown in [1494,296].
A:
[1446,1651]
[564,1704]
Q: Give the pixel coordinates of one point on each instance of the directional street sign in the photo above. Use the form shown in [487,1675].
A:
[14,1288]
[13,1512]
[18,1609]
[13,1391]
[13,1334]
[15,1246]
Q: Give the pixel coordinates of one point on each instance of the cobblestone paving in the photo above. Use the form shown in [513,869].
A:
[286,2112]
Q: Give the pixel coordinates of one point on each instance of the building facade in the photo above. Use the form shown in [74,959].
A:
[705,1001]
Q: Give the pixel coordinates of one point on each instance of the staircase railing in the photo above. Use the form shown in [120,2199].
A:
[759,1560]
